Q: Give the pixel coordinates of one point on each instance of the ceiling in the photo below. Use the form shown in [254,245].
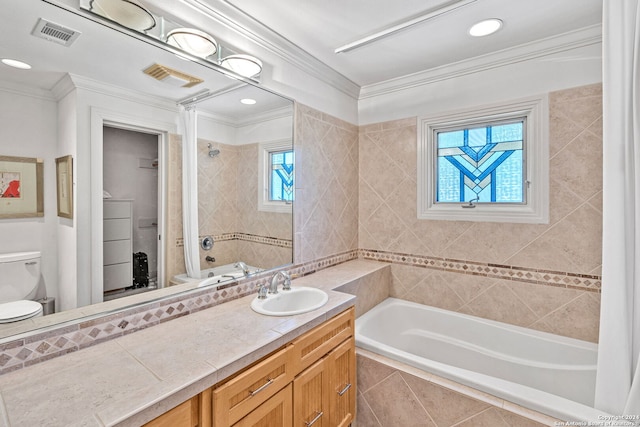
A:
[320,26]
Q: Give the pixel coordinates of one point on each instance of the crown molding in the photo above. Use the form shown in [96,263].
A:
[25,90]
[586,36]
[266,116]
[72,81]
[246,26]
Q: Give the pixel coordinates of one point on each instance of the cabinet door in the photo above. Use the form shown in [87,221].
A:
[239,396]
[311,397]
[183,415]
[275,412]
[342,373]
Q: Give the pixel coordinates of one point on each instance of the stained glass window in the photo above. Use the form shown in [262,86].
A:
[281,176]
[484,164]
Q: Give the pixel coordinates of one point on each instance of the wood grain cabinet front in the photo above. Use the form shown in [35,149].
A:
[186,414]
[309,382]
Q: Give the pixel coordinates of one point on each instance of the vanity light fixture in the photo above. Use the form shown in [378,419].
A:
[196,42]
[126,13]
[486,27]
[248,101]
[245,65]
[16,64]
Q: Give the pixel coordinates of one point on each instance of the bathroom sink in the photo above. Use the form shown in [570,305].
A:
[287,303]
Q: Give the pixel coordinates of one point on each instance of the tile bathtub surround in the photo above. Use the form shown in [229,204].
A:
[559,258]
[393,394]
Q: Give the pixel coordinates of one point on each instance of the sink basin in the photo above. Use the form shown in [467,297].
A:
[287,303]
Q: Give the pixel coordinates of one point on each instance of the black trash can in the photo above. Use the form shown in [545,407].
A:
[140,270]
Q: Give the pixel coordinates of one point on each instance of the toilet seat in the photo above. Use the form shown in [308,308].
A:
[19,310]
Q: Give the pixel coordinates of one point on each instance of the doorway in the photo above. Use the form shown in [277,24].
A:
[132,212]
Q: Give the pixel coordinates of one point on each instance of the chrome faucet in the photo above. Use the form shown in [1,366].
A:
[210,259]
[241,265]
[286,284]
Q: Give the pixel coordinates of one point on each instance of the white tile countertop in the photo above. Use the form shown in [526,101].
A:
[132,379]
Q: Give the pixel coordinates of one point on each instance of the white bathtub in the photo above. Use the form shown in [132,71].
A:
[219,274]
[547,373]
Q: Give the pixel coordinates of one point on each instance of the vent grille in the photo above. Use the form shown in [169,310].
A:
[171,76]
[55,33]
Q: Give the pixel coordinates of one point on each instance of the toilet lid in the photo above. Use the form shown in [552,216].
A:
[18,310]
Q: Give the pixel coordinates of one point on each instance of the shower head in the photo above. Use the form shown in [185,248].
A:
[213,151]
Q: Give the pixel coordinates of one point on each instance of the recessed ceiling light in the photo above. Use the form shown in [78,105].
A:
[248,101]
[16,64]
[486,27]
[195,42]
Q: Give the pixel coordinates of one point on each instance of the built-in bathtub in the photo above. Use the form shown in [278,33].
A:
[219,274]
[547,373]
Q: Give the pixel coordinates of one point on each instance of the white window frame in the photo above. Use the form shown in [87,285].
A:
[536,208]
[264,170]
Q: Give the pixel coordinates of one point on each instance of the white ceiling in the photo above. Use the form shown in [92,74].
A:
[314,28]
[320,26]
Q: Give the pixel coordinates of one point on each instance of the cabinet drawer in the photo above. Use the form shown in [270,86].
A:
[116,209]
[117,252]
[242,394]
[117,229]
[117,276]
[311,346]
[275,412]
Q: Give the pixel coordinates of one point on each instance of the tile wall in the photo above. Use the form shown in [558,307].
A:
[227,199]
[543,276]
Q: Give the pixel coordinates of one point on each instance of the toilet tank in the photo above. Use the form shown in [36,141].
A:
[19,275]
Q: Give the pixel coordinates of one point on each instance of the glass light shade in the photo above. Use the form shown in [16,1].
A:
[125,12]
[245,65]
[196,42]
[16,64]
[486,27]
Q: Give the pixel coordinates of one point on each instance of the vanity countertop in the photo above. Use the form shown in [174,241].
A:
[132,379]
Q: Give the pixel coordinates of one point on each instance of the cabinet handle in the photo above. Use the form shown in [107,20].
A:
[262,387]
[310,423]
[344,390]
[31,263]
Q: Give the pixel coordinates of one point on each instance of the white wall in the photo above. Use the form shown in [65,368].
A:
[576,67]
[28,129]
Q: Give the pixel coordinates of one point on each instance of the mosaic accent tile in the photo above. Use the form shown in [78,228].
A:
[266,240]
[564,279]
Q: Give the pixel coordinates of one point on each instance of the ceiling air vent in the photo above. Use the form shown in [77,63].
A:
[55,33]
[171,76]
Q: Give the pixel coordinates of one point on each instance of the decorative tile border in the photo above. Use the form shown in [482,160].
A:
[266,240]
[27,351]
[585,282]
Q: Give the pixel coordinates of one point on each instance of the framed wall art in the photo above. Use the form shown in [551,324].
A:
[21,187]
[64,182]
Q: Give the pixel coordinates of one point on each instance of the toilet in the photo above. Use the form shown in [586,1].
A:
[19,279]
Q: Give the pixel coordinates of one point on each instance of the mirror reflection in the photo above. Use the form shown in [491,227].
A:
[120,107]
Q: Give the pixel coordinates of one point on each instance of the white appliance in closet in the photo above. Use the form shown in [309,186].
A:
[118,244]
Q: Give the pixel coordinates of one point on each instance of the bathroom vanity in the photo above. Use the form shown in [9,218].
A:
[200,369]
[309,381]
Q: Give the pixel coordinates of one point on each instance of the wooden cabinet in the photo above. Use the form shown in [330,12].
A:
[311,391]
[342,378]
[275,412]
[184,415]
[237,397]
[309,382]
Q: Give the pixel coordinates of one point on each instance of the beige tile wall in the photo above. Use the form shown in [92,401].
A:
[326,206]
[570,243]
[227,210]
[392,394]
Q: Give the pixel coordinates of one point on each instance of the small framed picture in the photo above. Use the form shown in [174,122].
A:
[21,187]
[64,180]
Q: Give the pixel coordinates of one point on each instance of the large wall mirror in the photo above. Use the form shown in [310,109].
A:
[91,99]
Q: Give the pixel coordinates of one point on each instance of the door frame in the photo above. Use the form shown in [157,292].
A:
[99,119]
